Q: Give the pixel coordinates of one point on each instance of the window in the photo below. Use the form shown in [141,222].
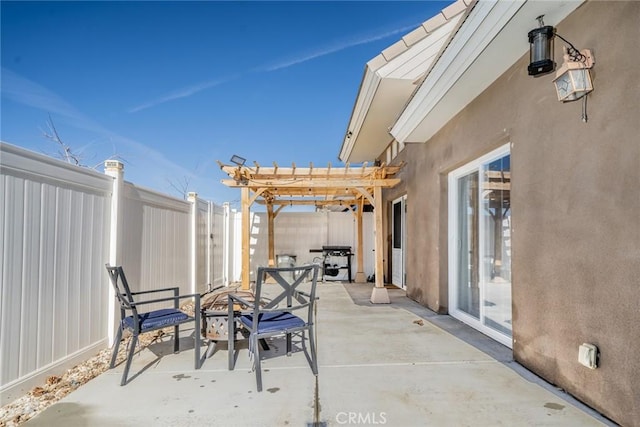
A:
[397,225]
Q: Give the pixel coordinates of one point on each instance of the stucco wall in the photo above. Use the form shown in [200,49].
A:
[575,210]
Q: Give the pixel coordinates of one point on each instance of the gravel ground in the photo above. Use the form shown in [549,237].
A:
[57,387]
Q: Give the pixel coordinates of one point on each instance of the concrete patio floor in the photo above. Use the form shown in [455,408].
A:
[377,366]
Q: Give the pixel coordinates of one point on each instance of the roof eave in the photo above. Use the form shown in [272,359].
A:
[490,40]
[384,71]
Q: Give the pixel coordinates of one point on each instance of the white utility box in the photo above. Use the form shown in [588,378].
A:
[588,355]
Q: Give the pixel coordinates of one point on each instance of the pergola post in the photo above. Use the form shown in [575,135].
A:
[379,295]
[270,221]
[246,224]
[360,277]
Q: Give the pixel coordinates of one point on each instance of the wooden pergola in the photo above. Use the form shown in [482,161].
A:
[277,187]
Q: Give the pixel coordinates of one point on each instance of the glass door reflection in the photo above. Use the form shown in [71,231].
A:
[496,244]
[468,271]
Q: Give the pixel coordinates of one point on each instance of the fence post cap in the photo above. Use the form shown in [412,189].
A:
[113,165]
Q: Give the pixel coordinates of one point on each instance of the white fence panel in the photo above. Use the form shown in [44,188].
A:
[218,253]
[258,242]
[202,246]
[54,233]
[342,231]
[155,240]
[295,233]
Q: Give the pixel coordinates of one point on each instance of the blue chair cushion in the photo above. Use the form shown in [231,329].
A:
[273,321]
[157,319]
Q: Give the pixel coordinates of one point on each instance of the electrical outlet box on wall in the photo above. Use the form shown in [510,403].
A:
[588,355]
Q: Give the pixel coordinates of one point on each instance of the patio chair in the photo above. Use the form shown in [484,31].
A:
[138,322]
[274,316]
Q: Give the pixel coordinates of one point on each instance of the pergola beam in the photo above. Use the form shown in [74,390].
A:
[288,184]
[298,202]
[261,172]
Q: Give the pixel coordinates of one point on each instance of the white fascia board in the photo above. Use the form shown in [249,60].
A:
[373,136]
[491,39]
[367,91]
[408,59]
[483,23]
[409,65]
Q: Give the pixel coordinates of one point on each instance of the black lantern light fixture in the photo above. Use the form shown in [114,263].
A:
[573,79]
[541,49]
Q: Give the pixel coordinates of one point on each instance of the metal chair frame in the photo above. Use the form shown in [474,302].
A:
[275,317]
[135,322]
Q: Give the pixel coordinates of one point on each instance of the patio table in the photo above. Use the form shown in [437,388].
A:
[214,314]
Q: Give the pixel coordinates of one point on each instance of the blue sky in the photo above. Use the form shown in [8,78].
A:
[171,87]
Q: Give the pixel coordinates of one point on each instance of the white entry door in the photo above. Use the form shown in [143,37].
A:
[398,240]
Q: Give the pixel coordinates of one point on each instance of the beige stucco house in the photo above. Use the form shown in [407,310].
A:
[517,214]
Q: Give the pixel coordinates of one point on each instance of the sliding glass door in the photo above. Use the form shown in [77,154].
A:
[480,244]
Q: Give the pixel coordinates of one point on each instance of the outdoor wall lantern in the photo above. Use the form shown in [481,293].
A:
[573,79]
[541,49]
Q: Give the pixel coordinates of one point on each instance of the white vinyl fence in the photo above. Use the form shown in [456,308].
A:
[296,233]
[55,242]
[218,248]
[60,224]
